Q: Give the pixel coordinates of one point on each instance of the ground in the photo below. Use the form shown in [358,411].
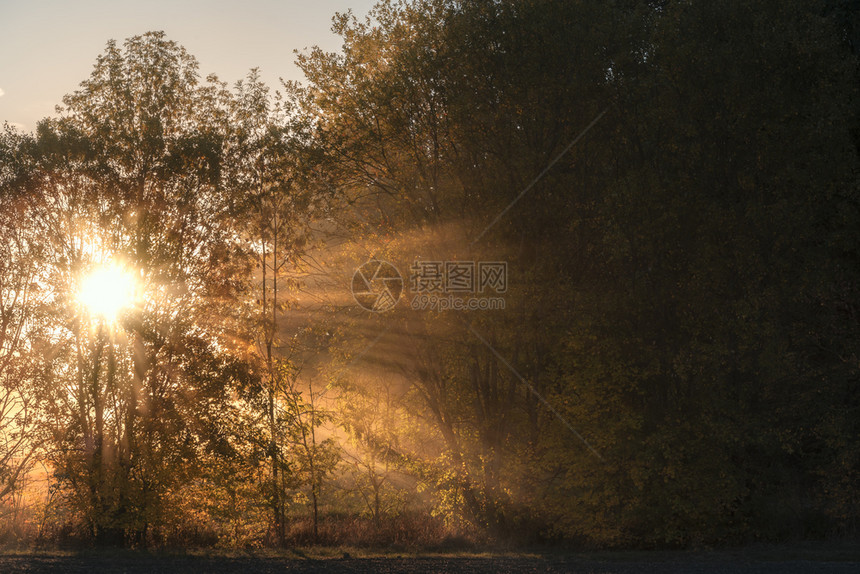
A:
[794,559]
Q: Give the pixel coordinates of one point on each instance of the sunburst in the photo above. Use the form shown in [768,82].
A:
[106,291]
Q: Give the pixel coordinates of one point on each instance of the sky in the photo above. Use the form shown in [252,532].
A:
[48,47]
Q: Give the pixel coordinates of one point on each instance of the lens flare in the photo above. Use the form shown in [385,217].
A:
[106,291]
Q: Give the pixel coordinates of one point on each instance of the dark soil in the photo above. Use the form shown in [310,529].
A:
[784,560]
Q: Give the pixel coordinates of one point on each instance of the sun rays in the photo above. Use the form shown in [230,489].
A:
[106,291]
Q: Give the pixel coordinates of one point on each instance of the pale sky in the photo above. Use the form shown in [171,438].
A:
[47,47]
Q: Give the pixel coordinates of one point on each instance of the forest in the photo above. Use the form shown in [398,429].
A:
[515,272]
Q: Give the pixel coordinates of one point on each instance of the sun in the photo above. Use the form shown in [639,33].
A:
[106,291]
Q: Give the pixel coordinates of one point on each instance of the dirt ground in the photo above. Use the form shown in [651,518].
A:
[780,560]
[413,565]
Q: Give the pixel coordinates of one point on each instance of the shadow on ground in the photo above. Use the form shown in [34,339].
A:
[770,561]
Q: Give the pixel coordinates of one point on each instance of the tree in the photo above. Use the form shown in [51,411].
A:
[434,124]
[128,176]
[370,414]
[274,197]
[313,458]
[23,339]
[670,266]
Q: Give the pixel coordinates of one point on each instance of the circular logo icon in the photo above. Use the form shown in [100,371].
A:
[377,286]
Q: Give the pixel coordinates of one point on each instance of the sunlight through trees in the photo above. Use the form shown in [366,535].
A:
[107,290]
[675,362]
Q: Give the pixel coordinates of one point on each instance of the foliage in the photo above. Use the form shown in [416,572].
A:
[673,186]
